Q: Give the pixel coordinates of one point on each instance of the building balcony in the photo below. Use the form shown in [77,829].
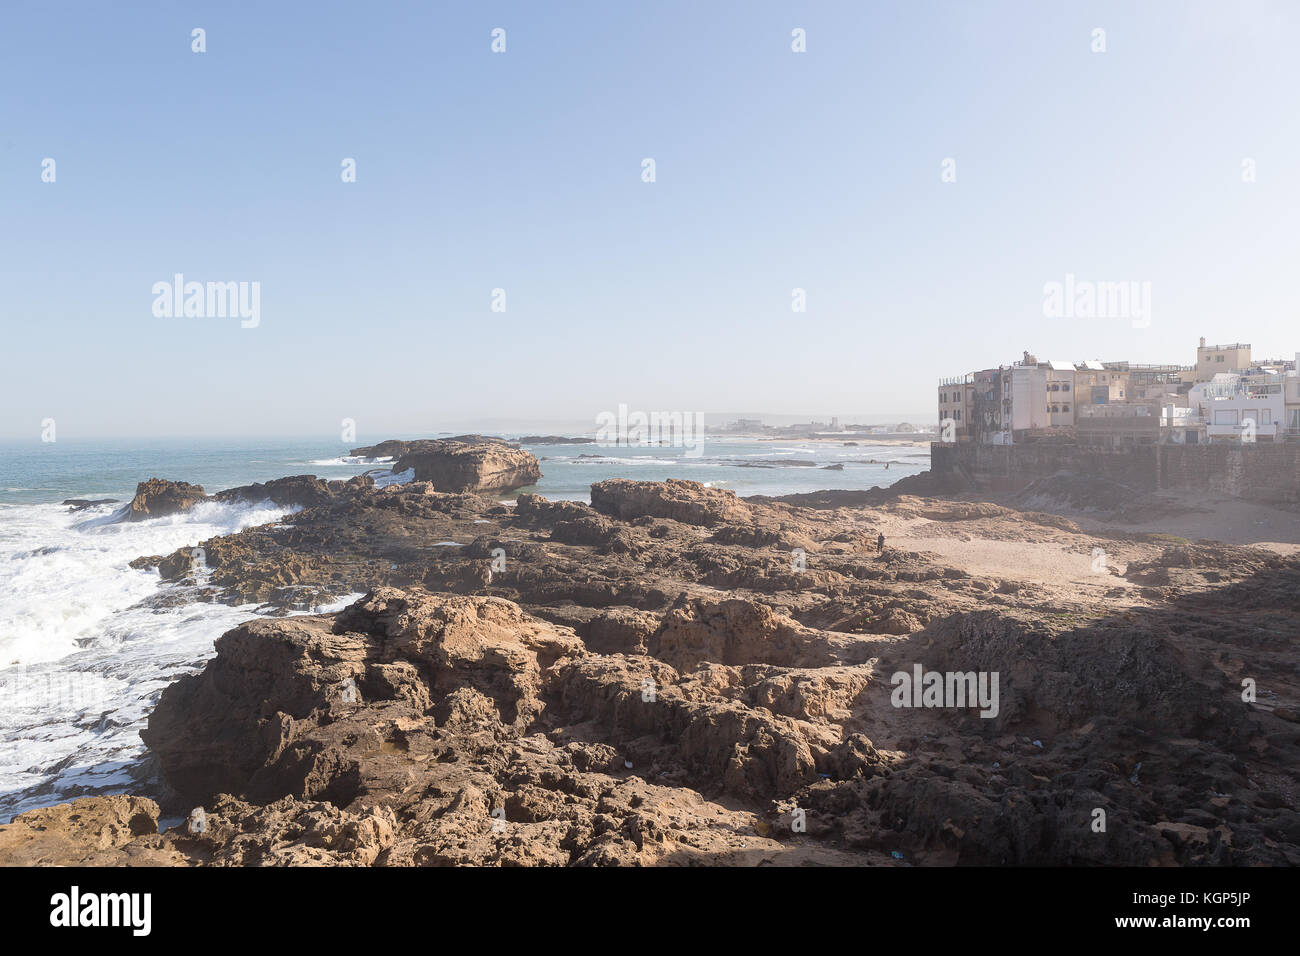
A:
[1235,431]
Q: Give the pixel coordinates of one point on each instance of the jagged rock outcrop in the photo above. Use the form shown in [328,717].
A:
[81,504]
[392,448]
[94,831]
[397,447]
[158,498]
[256,721]
[413,729]
[737,632]
[478,467]
[687,501]
[298,491]
[555,440]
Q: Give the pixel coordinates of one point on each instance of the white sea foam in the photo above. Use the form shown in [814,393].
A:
[64,574]
[388,478]
[612,460]
[82,660]
[349,460]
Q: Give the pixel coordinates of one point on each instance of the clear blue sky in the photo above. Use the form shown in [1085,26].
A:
[522,170]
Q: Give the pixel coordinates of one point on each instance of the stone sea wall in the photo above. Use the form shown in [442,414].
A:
[1263,471]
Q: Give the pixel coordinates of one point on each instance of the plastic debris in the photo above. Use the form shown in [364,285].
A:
[896,855]
[1038,744]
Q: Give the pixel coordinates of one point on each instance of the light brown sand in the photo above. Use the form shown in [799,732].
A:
[1229,520]
[1020,560]
[1067,561]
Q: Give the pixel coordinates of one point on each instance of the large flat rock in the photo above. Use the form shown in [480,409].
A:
[478,467]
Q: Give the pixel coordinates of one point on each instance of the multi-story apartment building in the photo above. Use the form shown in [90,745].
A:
[986,408]
[956,404]
[1213,359]
[1119,424]
[1167,384]
[1060,394]
[1291,400]
[1235,407]
[1096,383]
[1024,398]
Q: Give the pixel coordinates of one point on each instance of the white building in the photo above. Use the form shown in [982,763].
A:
[1024,398]
[1180,425]
[1060,393]
[1238,407]
[1292,399]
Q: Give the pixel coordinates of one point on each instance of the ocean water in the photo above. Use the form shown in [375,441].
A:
[87,643]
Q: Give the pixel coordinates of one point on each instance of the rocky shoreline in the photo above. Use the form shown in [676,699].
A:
[675,675]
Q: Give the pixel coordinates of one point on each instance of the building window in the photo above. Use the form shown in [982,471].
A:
[1065,388]
[1065,408]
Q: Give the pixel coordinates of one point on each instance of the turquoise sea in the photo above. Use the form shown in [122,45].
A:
[36,472]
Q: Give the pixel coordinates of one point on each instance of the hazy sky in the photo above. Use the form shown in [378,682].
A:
[522,170]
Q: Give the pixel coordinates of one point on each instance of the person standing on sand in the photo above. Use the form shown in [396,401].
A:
[880,542]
